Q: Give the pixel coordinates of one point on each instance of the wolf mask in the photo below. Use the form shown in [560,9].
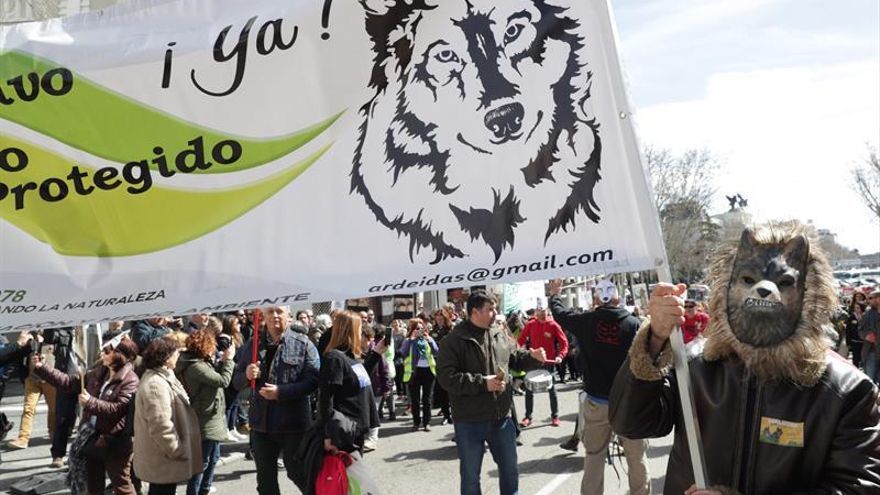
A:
[477,120]
[766,289]
[606,291]
[772,292]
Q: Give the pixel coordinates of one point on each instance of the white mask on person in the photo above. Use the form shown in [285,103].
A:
[606,290]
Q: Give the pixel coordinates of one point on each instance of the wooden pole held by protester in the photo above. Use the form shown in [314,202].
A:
[254,351]
[686,395]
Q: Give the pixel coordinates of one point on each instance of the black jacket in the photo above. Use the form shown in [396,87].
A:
[311,453]
[346,408]
[833,427]
[604,337]
[852,328]
[469,354]
[61,339]
[13,353]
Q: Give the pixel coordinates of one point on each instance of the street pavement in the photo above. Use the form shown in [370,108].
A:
[405,461]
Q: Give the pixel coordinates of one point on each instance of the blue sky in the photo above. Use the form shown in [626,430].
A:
[786,93]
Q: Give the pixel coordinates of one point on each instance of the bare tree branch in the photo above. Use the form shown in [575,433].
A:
[866,181]
[683,191]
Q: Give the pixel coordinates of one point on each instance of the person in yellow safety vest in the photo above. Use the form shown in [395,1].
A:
[419,370]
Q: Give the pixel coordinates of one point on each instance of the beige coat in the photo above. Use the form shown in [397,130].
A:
[167,442]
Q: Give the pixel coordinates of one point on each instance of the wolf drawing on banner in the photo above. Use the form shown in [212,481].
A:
[478,123]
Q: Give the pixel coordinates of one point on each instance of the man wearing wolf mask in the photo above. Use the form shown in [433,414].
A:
[778,412]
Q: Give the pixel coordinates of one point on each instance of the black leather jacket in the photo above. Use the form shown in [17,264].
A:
[836,422]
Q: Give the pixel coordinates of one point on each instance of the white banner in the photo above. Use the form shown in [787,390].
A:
[210,155]
[524,296]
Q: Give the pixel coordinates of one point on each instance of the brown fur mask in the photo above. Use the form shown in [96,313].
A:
[771,293]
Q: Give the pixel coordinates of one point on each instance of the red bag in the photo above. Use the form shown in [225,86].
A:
[332,479]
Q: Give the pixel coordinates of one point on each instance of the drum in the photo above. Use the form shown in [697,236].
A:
[538,381]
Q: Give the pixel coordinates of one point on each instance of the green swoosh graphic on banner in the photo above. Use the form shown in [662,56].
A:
[116,222]
[107,124]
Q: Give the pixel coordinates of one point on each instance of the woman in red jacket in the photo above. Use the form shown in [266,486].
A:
[110,387]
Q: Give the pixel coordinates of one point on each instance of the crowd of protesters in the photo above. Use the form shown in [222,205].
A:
[856,330]
[167,392]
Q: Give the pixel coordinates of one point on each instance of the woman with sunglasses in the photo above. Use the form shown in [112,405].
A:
[109,388]
[419,369]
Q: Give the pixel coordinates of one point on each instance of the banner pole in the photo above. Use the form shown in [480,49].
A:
[689,413]
[100,336]
[79,337]
[686,393]
[256,345]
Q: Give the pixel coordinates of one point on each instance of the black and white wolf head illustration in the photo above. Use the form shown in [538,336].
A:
[477,123]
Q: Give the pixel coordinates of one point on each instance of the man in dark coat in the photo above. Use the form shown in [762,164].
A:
[473,365]
[778,411]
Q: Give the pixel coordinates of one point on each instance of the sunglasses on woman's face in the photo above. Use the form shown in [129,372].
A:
[107,350]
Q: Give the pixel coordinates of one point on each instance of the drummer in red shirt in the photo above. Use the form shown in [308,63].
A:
[544,332]
[695,321]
